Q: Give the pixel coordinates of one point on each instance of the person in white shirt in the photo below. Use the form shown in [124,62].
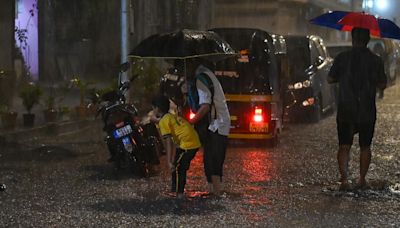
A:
[212,121]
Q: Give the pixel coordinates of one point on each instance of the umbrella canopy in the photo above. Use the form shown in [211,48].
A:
[183,44]
[346,21]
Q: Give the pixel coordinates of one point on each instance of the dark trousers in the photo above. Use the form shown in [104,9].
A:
[182,164]
[346,133]
[214,154]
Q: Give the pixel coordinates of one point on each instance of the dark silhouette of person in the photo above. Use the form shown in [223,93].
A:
[359,73]
[380,51]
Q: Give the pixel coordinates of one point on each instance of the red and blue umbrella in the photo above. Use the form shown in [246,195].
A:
[346,21]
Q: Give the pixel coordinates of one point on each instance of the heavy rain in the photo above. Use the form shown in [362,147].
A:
[83,139]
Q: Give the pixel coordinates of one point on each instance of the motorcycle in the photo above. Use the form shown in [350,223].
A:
[131,145]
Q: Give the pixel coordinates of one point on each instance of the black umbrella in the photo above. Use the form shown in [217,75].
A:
[184,44]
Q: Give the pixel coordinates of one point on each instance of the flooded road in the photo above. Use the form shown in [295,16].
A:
[65,181]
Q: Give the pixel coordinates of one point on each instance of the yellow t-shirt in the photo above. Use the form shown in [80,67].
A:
[183,134]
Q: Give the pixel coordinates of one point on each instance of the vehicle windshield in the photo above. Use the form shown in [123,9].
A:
[298,53]
[250,72]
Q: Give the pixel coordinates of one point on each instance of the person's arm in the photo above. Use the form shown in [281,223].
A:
[170,152]
[165,130]
[203,110]
[382,79]
[204,101]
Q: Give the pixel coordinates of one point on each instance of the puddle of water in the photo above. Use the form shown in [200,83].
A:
[257,166]
[376,189]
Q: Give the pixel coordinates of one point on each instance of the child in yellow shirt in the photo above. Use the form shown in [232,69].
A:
[176,130]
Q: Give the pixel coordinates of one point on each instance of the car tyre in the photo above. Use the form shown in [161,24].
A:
[316,114]
[273,142]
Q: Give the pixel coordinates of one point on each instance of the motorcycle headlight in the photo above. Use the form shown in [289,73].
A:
[298,85]
[306,83]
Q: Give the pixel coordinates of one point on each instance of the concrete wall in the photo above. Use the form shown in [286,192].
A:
[68,46]
[254,14]
[7,78]
[81,40]
[156,16]
[275,16]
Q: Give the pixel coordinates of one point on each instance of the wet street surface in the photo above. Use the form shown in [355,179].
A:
[65,181]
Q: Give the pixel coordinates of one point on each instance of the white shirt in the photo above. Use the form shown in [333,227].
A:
[222,121]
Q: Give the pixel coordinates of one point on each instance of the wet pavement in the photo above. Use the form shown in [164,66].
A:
[65,181]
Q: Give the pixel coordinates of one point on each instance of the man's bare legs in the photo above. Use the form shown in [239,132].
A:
[343,161]
[217,187]
[343,157]
[365,160]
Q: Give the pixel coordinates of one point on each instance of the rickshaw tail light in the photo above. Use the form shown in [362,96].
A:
[258,116]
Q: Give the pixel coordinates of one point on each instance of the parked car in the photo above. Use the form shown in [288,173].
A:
[251,86]
[389,50]
[308,94]
[279,43]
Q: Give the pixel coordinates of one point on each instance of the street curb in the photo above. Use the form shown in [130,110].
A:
[47,130]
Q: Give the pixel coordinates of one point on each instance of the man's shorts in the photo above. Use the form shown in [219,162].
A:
[346,132]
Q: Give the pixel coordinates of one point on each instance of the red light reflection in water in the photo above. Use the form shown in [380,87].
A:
[257,166]
[257,169]
[196,179]
[197,163]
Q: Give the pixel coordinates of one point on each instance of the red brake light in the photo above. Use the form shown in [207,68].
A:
[191,115]
[258,115]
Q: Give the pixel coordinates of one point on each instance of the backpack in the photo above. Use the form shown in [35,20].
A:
[193,100]
[193,95]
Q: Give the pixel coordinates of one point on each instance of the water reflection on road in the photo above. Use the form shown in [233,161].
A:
[250,171]
[252,166]
[256,165]
[293,185]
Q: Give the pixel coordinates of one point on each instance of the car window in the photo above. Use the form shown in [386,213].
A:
[324,50]
[321,49]
[378,47]
[279,44]
[315,53]
[396,48]
[251,72]
[298,56]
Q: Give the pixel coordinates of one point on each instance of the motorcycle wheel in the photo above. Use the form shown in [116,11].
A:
[121,160]
[140,168]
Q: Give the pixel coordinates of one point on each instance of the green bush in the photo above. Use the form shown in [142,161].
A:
[83,87]
[3,108]
[30,95]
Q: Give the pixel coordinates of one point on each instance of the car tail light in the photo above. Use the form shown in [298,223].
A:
[258,115]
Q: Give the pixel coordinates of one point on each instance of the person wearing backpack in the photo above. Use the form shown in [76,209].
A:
[212,119]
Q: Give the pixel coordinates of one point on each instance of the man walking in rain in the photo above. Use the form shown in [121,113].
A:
[359,73]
